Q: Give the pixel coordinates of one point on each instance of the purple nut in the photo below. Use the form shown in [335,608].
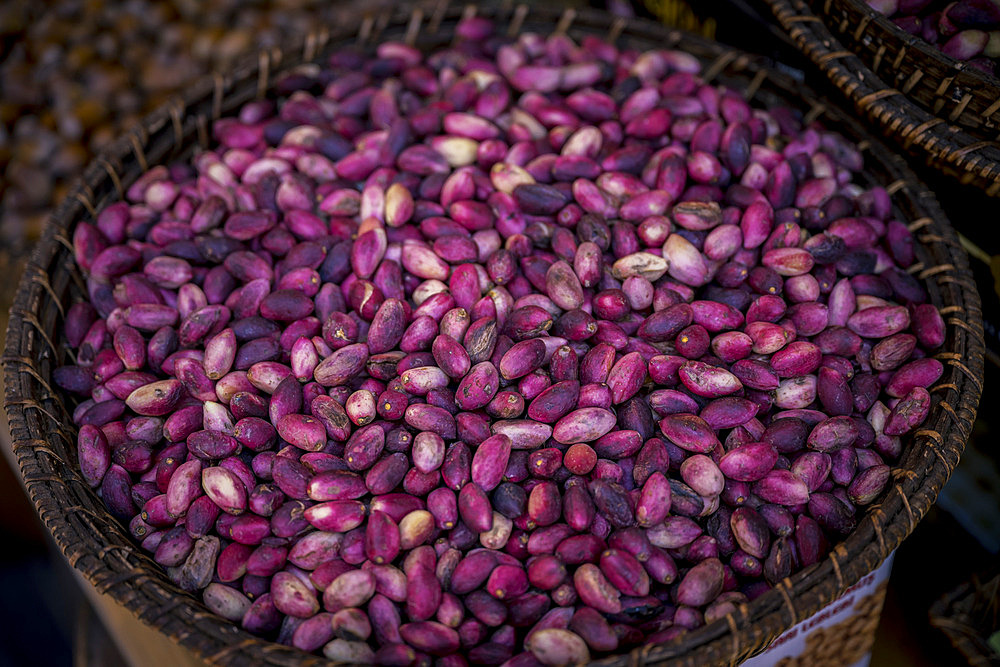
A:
[919,373]
[225,489]
[702,583]
[782,487]
[341,366]
[689,432]
[584,425]
[909,413]
[595,590]
[522,358]
[708,381]
[557,646]
[879,321]
[155,399]
[490,461]
[478,387]
[832,434]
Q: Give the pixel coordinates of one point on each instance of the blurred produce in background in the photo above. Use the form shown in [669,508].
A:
[75,73]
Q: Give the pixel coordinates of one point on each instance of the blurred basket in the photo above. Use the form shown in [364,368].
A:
[969,615]
[44,437]
[935,107]
[950,89]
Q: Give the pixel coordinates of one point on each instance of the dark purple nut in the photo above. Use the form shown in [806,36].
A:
[702,583]
[557,646]
[387,327]
[782,487]
[303,431]
[909,413]
[708,381]
[834,392]
[174,547]
[928,325]
[563,286]
[423,591]
[751,531]
[831,513]
[832,434]
[879,321]
[336,516]
[292,596]
[332,415]
[578,549]
[613,503]
[351,589]
[595,590]
[796,359]
[689,432]
[336,485]
[450,356]
[522,358]
[479,387]
[919,373]
[385,475]
[364,447]
[749,462]
[583,425]
[702,474]
[653,505]
[430,637]
[578,508]
[728,412]
[341,366]
[94,454]
[544,503]
[490,461]
[155,399]
[868,484]
[212,444]
[474,508]
[891,352]
[225,489]
[755,374]
[625,572]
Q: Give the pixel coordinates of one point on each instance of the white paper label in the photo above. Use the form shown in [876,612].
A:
[815,639]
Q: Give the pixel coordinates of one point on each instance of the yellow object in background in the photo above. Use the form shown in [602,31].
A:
[679,15]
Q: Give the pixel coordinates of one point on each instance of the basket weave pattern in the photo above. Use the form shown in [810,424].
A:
[949,88]
[44,438]
[955,131]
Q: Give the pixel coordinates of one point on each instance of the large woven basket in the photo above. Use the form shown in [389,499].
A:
[44,437]
[937,108]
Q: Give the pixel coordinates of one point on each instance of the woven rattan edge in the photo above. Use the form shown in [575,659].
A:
[945,146]
[965,94]
[187,621]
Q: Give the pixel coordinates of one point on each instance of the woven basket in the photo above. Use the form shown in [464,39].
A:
[933,106]
[948,88]
[968,616]
[44,438]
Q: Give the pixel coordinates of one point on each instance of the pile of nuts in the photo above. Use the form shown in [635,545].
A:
[516,351]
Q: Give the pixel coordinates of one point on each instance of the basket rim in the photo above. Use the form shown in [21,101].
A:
[939,451]
[924,47]
[944,145]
